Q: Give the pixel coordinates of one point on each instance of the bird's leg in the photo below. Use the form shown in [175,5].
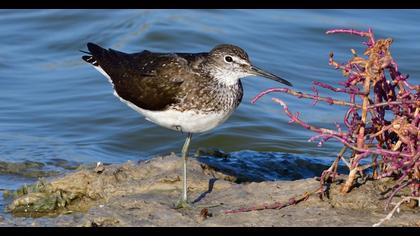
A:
[183,201]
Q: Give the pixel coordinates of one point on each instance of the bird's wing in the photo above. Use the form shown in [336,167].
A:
[138,78]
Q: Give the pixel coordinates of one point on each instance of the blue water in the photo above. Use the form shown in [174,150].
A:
[56,107]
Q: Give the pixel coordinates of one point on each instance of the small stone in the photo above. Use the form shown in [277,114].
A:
[413,203]
[204,214]
[99,167]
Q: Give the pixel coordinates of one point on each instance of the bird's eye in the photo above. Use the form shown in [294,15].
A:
[228,59]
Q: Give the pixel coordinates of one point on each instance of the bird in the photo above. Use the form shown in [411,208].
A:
[186,92]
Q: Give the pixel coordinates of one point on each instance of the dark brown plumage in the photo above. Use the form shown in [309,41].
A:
[159,81]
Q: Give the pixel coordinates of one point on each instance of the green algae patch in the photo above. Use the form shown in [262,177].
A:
[71,193]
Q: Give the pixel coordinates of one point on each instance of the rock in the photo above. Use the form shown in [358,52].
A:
[144,194]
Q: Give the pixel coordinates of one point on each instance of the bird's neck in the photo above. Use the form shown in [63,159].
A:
[222,77]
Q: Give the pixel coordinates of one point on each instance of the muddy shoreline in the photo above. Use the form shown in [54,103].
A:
[143,194]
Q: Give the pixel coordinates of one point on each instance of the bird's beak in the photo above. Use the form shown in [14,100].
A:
[257,71]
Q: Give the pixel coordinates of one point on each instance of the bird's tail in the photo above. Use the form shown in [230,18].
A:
[95,53]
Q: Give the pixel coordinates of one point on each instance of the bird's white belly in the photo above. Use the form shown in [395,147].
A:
[186,121]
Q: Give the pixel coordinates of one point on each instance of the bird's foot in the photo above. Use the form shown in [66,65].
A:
[182,204]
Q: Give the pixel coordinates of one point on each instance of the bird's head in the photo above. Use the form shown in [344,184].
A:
[230,63]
